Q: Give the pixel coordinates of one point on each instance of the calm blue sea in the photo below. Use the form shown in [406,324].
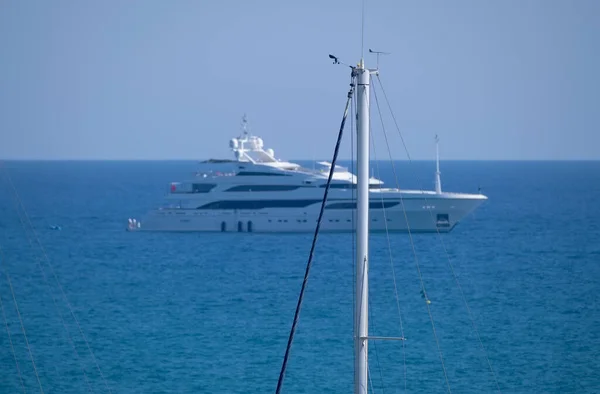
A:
[211,313]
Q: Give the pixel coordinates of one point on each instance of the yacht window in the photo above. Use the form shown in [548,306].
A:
[262,188]
[258,204]
[256,173]
[348,186]
[372,205]
[202,187]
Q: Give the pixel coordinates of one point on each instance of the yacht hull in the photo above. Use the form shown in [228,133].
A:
[418,215]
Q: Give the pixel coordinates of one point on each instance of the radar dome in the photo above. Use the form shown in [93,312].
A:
[259,143]
[233,144]
[271,152]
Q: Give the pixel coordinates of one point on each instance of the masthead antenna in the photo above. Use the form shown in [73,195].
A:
[378,53]
[362,32]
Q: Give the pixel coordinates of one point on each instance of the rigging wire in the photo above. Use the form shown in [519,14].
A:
[314,241]
[370,378]
[43,250]
[394,118]
[449,262]
[415,253]
[389,244]
[49,287]
[352,129]
[12,348]
[12,291]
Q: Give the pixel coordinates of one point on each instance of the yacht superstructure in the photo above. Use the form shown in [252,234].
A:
[256,192]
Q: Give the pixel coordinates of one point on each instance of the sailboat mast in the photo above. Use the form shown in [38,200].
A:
[361,306]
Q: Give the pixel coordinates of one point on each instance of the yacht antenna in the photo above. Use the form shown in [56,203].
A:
[438,181]
[245,125]
[378,53]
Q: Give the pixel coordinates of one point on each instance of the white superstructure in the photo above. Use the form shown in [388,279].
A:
[256,192]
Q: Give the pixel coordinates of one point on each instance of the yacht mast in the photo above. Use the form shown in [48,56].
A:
[438,181]
[361,330]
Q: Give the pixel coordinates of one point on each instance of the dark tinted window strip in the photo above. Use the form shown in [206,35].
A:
[372,205]
[218,161]
[262,188]
[202,187]
[258,204]
[348,186]
[254,173]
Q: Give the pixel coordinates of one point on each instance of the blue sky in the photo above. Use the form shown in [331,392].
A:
[151,79]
